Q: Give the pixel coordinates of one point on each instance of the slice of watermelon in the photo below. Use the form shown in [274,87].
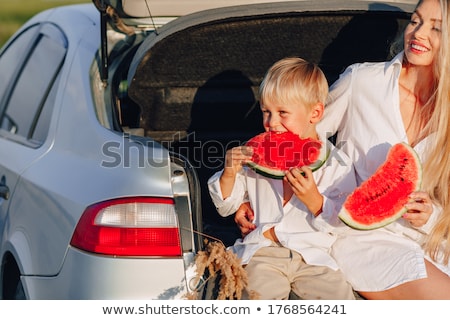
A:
[380,199]
[276,152]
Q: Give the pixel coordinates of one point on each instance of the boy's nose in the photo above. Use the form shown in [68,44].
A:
[273,123]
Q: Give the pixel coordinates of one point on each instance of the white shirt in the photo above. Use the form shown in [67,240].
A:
[295,227]
[364,108]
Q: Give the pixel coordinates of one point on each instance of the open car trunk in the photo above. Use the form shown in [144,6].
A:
[196,80]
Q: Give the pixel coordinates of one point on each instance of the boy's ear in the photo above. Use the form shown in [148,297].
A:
[317,112]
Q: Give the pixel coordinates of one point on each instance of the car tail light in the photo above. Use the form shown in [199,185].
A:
[130,227]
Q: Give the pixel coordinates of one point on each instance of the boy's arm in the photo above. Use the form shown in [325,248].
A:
[234,159]
[227,187]
[304,186]
[227,206]
[336,185]
[324,197]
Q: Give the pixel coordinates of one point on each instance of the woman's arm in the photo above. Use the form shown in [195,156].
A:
[244,217]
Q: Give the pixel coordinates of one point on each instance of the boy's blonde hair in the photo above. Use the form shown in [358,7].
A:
[294,80]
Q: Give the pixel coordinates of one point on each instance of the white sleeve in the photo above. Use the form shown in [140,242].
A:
[338,182]
[228,206]
[337,103]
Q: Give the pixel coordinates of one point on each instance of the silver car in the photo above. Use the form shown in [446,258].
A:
[114,114]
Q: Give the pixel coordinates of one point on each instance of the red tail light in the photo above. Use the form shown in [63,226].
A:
[130,227]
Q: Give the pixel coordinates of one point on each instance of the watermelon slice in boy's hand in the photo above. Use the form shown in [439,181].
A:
[276,152]
[380,199]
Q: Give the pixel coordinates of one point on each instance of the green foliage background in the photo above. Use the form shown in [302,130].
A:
[14,13]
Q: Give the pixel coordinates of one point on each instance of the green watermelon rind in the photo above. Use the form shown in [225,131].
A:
[346,216]
[279,174]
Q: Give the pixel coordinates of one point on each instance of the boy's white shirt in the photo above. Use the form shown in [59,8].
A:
[295,226]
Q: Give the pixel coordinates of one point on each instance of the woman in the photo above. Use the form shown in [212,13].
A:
[373,106]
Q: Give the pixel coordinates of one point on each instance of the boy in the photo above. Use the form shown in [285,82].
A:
[294,217]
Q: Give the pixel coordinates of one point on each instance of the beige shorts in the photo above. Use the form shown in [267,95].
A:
[275,272]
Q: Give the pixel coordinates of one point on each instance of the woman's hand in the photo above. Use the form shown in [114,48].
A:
[244,217]
[419,209]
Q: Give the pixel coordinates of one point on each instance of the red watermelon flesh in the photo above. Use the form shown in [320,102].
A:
[276,152]
[380,199]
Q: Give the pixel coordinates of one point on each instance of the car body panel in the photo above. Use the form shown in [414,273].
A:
[134,281]
[70,150]
[89,164]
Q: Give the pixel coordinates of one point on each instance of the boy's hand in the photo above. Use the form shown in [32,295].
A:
[244,217]
[235,158]
[304,187]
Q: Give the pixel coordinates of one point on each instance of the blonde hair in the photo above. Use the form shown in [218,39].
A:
[436,177]
[294,80]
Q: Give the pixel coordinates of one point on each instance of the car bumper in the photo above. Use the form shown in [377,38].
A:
[87,276]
